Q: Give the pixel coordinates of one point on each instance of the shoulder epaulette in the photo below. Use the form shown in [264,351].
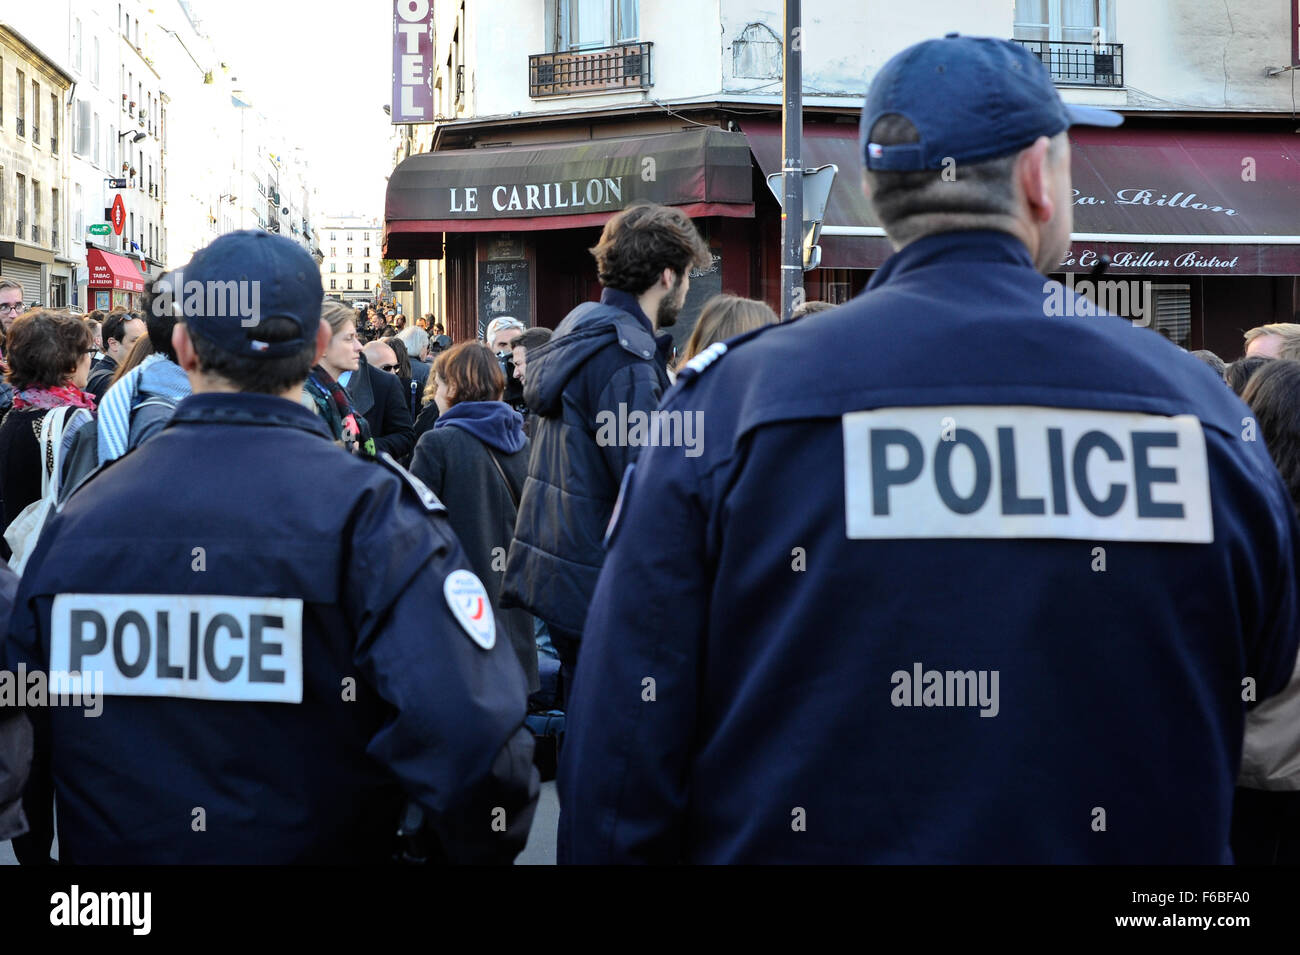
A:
[426,496]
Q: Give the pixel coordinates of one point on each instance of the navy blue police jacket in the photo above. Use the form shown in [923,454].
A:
[282,665]
[948,578]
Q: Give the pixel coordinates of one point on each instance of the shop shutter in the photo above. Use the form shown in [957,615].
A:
[29,274]
[1173,312]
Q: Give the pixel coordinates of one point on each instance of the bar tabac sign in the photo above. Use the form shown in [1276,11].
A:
[412,61]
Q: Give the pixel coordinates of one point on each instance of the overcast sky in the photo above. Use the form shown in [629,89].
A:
[324,70]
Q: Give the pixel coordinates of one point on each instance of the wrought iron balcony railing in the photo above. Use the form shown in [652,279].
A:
[1080,64]
[624,66]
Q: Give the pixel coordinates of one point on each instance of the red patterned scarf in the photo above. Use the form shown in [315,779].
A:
[39,396]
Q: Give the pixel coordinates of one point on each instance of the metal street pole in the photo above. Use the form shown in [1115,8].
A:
[792,293]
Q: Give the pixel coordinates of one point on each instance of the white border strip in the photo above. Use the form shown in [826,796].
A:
[871,230]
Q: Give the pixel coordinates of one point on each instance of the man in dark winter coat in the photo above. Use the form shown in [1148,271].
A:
[121,330]
[378,397]
[603,365]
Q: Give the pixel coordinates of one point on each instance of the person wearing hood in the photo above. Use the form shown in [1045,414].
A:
[475,459]
[603,362]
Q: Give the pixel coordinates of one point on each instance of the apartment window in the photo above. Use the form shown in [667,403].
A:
[333,238]
[585,24]
[54,218]
[366,237]
[366,285]
[82,144]
[79,215]
[95,154]
[22,103]
[367,251]
[366,266]
[2,94]
[20,215]
[1070,21]
[333,251]
[36,112]
[76,44]
[54,122]
[334,283]
[334,267]
[95,63]
[349,266]
[349,249]
[36,211]
[349,238]
[2,199]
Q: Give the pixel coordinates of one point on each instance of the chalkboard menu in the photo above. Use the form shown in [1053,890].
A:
[704,285]
[503,290]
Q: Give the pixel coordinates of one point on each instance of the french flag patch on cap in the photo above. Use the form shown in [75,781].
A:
[875,150]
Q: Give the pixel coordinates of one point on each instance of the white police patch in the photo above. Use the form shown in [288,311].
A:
[471,607]
[1018,471]
[246,649]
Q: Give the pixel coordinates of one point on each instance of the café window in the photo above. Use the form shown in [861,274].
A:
[588,24]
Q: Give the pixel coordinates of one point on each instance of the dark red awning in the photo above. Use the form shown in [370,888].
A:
[705,171]
[1155,201]
[109,270]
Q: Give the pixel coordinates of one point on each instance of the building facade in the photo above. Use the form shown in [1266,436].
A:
[33,169]
[549,117]
[130,71]
[351,263]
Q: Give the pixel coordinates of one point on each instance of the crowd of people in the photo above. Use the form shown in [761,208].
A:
[713,580]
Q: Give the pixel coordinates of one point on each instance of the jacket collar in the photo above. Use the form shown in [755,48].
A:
[361,389]
[247,408]
[628,303]
[981,246]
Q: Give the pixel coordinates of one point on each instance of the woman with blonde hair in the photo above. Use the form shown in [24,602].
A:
[325,393]
[723,317]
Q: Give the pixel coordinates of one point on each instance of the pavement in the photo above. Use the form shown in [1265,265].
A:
[539,851]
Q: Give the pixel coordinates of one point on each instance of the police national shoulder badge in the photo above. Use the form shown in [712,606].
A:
[470,605]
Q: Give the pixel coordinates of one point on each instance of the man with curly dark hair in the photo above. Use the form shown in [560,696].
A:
[603,362]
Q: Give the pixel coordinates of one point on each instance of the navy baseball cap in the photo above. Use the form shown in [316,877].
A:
[971,99]
[243,278]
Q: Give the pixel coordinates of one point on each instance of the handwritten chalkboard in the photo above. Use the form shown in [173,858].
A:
[704,285]
[503,290]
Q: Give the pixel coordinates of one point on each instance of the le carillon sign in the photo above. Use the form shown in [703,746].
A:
[565,179]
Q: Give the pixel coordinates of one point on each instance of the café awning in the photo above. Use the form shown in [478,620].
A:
[1155,200]
[705,171]
[110,270]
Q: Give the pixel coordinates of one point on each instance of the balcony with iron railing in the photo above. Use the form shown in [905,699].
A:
[1080,64]
[624,66]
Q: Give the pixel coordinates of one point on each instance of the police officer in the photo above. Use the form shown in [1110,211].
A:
[981,585]
[289,643]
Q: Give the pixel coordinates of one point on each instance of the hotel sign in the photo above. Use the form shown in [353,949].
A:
[412,61]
